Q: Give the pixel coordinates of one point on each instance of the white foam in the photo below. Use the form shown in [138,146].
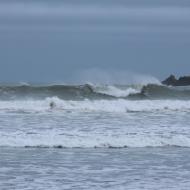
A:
[117,92]
[120,105]
[73,140]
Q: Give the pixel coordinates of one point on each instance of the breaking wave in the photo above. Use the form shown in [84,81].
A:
[94,92]
[70,101]
[117,91]
[119,105]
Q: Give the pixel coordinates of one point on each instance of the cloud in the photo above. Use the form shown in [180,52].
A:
[87,11]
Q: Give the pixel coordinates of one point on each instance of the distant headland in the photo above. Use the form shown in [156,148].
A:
[173,81]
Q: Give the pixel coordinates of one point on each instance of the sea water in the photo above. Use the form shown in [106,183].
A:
[99,142]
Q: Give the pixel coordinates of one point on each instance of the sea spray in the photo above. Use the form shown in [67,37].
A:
[111,77]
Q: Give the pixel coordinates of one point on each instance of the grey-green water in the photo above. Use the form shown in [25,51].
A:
[133,168]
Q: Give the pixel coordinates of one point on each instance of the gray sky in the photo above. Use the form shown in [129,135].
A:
[52,41]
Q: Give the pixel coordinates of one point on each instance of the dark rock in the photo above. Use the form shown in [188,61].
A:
[172,81]
[184,81]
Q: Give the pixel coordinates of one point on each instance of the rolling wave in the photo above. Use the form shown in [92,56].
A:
[40,92]
[93,92]
[165,92]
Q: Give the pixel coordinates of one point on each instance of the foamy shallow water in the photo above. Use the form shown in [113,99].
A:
[86,145]
[95,124]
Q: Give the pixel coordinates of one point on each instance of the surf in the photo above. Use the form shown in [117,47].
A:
[93,92]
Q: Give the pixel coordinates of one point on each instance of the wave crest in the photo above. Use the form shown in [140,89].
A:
[90,91]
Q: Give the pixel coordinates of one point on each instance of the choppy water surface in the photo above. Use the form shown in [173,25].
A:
[94,142]
[134,168]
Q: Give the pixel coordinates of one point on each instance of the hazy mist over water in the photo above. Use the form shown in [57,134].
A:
[50,41]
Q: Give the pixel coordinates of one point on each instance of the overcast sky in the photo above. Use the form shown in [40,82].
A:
[51,41]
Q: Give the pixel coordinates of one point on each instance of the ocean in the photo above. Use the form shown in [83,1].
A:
[78,110]
[94,137]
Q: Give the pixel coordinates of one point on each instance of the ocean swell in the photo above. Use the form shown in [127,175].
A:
[94,92]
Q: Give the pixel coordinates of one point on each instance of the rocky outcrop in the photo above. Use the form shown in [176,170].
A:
[184,81]
[172,81]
